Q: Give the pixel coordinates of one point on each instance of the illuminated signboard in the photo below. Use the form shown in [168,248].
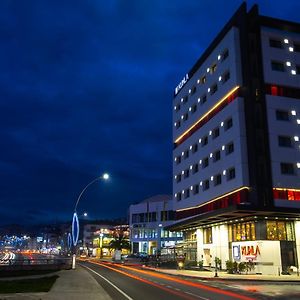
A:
[181,83]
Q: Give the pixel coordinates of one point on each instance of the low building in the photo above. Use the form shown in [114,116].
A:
[147,220]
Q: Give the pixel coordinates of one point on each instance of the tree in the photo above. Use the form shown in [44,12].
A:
[119,243]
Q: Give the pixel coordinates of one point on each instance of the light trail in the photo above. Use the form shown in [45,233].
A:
[182,281]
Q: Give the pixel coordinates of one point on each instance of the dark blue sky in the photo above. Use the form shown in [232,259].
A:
[86,87]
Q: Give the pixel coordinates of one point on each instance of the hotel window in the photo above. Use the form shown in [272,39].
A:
[177,107]
[215,132]
[298,70]
[193,90]
[217,155]
[229,148]
[178,196]
[178,159]
[231,174]
[282,115]
[203,79]
[217,179]
[185,116]
[225,77]
[194,148]
[284,141]
[242,232]
[196,189]
[277,66]
[186,173]
[213,89]
[177,124]
[287,168]
[194,108]
[185,99]
[228,123]
[205,185]
[296,47]
[186,154]
[204,141]
[205,162]
[178,178]
[280,230]
[195,168]
[186,193]
[225,54]
[207,235]
[213,68]
[275,43]
[203,99]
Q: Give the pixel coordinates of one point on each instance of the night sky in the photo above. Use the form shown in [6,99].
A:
[86,87]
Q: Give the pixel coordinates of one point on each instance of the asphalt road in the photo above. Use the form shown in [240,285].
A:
[133,283]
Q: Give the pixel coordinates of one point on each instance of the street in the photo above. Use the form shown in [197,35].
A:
[132,283]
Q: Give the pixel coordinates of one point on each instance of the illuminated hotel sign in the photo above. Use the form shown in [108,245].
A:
[245,252]
[181,83]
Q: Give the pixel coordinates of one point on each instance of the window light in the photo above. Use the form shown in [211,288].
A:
[224,172]
[198,81]
[182,153]
[190,91]
[182,172]
[181,99]
[207,70]
[201,183]
[223,147]
[190,109]
[293,112]
[191,167]
[220,78]
[182,191]
[175,176]
[210,132]
[219,57]
[200,141]
[212,178]
[200,161]
[191,147]
[175,159]
[298,165]
[222,124]
[175,124]
[191,187]
[296,138]
[175,194]
[182,117]
[288,63]
[210,155]
[286,41]
[208,90]
[293,72]
[291,49]
[199,100]
[298,121]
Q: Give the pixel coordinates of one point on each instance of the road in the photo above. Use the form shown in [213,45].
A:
[123,282]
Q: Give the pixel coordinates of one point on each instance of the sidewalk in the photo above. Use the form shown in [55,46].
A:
[75,284]
[210,275]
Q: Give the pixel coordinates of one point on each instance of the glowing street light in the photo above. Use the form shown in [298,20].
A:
[75,222]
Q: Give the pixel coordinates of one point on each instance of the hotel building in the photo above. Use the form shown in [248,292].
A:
[236,157]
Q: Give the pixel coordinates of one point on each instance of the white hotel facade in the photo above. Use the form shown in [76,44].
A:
[236,157]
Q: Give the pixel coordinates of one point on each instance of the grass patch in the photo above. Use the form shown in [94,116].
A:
[27,285]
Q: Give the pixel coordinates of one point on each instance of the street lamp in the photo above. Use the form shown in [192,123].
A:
[75,222]
[101,244]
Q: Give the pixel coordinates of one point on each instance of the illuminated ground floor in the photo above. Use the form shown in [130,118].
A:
[271,243]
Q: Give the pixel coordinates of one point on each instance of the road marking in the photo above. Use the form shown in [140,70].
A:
[196,296]
[119,290]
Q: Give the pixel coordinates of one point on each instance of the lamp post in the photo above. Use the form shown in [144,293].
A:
[101,244]
[75,222]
